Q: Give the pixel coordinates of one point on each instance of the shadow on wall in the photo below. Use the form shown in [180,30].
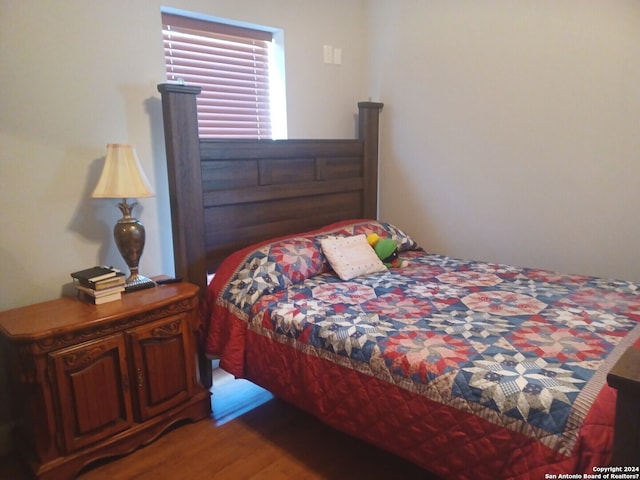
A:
[89,219]
[409,210]
[19,276]
[153,108]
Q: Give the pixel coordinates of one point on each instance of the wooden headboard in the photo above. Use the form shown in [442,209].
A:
[227,194]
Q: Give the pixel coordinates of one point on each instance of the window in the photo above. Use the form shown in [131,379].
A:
[234,66]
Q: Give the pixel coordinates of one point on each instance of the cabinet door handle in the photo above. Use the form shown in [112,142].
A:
[140,377]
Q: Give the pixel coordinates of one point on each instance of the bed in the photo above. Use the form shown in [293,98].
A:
[468,369]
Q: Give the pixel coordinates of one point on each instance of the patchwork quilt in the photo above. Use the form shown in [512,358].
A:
[508,364]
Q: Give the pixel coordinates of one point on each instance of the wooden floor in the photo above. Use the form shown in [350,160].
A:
[250,436]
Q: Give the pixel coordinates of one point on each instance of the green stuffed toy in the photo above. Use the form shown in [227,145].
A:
[386,250]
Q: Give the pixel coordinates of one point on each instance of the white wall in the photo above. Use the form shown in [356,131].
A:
[512,129]
[78,74]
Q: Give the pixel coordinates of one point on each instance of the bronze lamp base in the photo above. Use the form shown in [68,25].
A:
[129,235]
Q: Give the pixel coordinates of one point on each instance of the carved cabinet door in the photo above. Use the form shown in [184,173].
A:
[163,364]
[93,391]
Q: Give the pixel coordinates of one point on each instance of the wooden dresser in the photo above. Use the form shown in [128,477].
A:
[625,378]
[93,381]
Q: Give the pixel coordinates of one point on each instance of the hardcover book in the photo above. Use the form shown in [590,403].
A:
[118,279]
[95,274]
[100,299]
[100,293]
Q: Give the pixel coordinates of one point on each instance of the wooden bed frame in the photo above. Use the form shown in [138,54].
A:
[227,194]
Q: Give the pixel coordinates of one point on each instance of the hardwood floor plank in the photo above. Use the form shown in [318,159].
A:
[253,436]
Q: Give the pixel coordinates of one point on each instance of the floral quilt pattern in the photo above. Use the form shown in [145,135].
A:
[517,346]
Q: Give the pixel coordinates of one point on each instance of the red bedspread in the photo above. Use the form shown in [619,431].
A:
[469,369]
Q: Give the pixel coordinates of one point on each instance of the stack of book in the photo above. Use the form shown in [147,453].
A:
[99,284]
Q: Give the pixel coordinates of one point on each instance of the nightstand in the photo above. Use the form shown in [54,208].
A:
[94,381]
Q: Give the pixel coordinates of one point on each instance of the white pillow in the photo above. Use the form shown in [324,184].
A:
[351,256]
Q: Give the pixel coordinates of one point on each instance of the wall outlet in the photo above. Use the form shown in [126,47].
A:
[328,54]
[337,56]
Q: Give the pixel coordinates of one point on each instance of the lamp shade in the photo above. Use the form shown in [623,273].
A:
[122,175]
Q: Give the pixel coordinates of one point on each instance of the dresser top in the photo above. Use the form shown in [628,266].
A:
[68,314]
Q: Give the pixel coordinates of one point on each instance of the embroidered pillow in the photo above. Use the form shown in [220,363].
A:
[351,256]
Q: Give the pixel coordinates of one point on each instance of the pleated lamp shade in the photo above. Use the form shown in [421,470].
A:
[122,175]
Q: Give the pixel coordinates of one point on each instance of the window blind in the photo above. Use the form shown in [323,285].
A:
[231,65]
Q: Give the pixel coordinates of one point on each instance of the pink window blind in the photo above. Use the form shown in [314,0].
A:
[231,65]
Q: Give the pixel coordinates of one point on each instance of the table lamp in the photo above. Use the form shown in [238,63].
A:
[122,177]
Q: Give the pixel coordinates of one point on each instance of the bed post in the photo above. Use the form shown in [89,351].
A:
[368,133]
[182,145]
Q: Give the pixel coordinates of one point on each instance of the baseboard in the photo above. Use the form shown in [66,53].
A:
[5,438]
